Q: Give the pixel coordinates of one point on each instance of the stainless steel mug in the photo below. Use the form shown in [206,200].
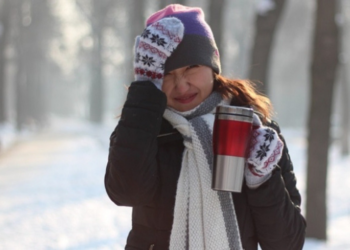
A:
[231,134]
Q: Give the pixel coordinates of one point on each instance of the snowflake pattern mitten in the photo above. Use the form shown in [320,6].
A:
[264,153]
[154,46]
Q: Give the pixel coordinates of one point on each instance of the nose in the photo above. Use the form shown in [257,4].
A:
[181,84]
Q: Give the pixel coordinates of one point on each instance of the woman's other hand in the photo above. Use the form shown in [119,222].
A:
[265,151]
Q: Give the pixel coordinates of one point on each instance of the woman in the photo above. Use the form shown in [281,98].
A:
[160,156]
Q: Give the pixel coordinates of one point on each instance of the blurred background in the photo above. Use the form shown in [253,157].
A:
[65,66]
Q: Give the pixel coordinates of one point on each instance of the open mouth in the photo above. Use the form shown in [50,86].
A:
[186,99]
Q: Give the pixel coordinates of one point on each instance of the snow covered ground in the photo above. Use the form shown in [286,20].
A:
[52,194]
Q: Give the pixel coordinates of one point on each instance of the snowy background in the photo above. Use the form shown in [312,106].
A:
[52,193]
[51,181]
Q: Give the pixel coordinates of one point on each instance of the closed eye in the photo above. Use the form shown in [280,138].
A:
[192,66]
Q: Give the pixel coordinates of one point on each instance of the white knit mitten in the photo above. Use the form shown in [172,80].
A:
[264,153]
[154,46]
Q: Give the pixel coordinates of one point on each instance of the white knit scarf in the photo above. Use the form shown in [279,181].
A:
[204,219]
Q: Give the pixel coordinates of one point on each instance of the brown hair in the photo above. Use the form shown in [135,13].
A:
[243,92]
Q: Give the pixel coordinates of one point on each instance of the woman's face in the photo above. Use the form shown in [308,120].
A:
[188,86]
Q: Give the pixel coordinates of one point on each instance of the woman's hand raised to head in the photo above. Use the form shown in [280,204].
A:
[154,46]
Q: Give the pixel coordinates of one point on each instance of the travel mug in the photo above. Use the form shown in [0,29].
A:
[231,134]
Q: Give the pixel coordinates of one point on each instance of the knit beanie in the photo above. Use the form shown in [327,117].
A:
[198,46]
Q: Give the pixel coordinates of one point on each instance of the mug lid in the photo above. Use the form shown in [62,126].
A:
[234,110]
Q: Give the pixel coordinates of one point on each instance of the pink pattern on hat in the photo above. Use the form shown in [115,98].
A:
[172,9]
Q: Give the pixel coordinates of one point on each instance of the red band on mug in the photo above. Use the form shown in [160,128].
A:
[231,137]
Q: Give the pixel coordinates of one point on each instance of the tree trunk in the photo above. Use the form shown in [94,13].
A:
[97,81]
[98,24]
[35,58]
[137,25]
[37,95]
[216,17]
[345,126]
[4,23]
[22,107]
[323,72]
[21,97]
[265,29]
[344,82]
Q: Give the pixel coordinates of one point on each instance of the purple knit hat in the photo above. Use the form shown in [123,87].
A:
[198,45]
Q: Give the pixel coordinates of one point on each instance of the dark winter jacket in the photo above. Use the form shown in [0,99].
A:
[143,168]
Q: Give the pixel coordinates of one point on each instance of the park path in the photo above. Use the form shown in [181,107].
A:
[52,195]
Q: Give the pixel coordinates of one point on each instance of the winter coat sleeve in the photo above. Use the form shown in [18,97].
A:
[275,207]
[131,174]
